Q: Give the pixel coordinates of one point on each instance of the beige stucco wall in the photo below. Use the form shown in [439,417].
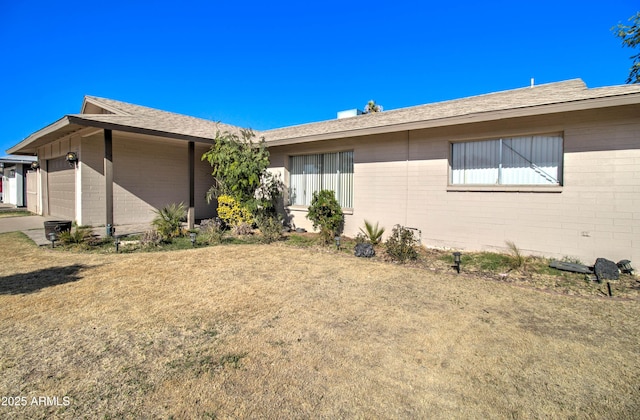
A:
[402,178]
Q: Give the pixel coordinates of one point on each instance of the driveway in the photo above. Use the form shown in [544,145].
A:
[33,227]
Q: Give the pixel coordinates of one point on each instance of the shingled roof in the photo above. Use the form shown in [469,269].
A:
[129,115]
[122,116]
[547,98]
[542,99]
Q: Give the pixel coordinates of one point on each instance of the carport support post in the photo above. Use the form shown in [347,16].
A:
[191,216]
[108,175]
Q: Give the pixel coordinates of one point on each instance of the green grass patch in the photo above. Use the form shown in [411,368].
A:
[303,240]
[481,261]
[14,213]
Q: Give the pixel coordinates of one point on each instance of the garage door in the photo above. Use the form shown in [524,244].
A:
[62,189]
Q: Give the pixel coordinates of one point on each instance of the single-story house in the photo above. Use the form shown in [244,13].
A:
[554,168]
[14,171]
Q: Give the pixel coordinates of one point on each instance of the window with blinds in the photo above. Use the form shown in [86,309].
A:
[327,171]
[528,160]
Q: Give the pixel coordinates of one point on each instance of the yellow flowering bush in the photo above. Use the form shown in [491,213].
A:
[232,213]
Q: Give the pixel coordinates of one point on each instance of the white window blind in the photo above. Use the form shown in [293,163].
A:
[327,171]
[530,160]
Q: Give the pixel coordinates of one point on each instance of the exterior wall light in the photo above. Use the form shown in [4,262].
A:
[456,261]
[35,165]
[72,158]
[53,238]
[192,236]
[337,239]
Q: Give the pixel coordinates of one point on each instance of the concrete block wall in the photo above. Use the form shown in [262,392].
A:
[402,178]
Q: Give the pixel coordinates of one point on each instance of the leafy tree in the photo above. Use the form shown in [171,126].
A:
[240,171]
[630,36]
[325,213]
[372,107]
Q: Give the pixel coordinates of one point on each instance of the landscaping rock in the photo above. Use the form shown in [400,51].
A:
[606,270]
[364,250]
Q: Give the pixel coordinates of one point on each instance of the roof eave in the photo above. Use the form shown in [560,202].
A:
[577,105]
[77,119]
[26,146]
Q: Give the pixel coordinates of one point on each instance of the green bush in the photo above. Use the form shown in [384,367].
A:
[401,245]
[168,221]
[372,233]
[326,214]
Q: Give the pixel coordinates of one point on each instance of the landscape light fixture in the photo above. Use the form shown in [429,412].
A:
[72,158]
[456,261]
[337,239]
[192,236]
[35,165]
[53,238]
[116,242]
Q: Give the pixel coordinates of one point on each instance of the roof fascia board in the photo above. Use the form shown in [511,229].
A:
[578,105]
[61,123]
[129,129]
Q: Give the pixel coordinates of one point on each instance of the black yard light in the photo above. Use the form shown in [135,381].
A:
[456,261]
[192,236]
[116,242]
[53,238]
[337,239]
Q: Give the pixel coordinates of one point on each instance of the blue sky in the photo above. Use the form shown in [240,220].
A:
[272,64]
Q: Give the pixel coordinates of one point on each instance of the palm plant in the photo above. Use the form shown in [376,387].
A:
[168,220]
[373,233]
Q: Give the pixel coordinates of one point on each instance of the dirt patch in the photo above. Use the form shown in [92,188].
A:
[275,331]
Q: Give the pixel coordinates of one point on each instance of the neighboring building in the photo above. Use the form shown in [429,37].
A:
[14,171]
[554,168]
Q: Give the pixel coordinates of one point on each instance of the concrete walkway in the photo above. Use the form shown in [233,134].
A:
[33,226]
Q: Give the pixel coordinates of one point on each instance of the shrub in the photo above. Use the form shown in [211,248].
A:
[168,221]
[401,245]
[326,214]
[372,233]
[151,237]
[361,239]
[243,229]
[212,230]
[232,212]
[77,236]
[270,228]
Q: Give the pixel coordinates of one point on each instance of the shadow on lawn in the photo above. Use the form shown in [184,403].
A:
[34,281]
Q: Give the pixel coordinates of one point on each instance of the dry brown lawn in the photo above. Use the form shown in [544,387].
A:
[270,331]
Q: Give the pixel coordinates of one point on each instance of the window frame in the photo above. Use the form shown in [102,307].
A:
[507,187]
[305,207]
